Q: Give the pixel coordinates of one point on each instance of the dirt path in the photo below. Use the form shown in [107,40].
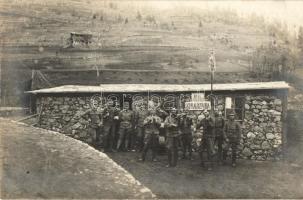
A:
[188,180]
[36,163]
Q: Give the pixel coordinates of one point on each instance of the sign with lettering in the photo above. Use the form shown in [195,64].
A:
[197,97]
[203,105]
[228,102]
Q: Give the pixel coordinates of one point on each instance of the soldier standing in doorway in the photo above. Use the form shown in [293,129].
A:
[218,128]
[109,115]
[186,138]
[126,118]
[232,134]
[207,140]
[172,124]
[151,139]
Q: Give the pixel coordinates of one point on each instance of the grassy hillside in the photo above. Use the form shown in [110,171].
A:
[34,36]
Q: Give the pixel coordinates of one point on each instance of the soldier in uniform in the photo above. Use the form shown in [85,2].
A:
[126,118]
[96,124]
[172,125]
[232,135]
[186,123]
[109,115]
[141,115]
[207,145]
[151,139]
[218,128]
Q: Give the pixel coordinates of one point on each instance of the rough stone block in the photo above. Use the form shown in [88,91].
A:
[270,136]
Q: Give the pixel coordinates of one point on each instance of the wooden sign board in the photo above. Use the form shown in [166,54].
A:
[197,97]
[203,105]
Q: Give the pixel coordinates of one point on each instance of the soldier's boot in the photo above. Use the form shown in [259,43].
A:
[169,154]
[209,166]
[234,157]
[184,155]
[119,144]
[142,157]
[224,156]
[201,159]
[190,156]
[126,145]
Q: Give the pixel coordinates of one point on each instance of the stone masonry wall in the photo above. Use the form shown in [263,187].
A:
[262,128]
[262,124]
[65,114]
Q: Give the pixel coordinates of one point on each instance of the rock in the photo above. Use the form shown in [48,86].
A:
[256,110]
[257,129]
[255,102]
[254,146]
[260,158]
[264,102]
[51,120]
[258,152]
[247,107]
[251,135]
[263,125]
[81,102]
[76,126]
[64,107]
[277,102]
[276,113]
[82,134]
[265,145]
[277,119]
[270,136]
[66,118]
[247,152]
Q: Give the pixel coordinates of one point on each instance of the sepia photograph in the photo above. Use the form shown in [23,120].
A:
[151,99]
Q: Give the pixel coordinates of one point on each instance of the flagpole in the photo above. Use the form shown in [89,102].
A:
[147,99]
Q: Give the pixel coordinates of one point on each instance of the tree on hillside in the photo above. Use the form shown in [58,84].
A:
[151,19]
[200,24]
[113,6]
[119,19]
[139,16]
[300,38]
[273,60]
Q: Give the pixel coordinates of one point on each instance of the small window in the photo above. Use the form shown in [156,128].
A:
[235,104]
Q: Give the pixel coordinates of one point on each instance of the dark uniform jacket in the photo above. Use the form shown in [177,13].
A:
[152,125]
[232,130]
[171,123]
[185,124]
[208,125]
[218,126]
[108,115]
[126,118]
[140,117]
[95,117]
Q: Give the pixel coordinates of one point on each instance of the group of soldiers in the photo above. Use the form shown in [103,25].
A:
[145,129]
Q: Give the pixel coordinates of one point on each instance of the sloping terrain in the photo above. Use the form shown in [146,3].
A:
[34,35]
[37,163]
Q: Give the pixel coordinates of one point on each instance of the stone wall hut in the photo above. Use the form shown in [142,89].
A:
[261,108]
